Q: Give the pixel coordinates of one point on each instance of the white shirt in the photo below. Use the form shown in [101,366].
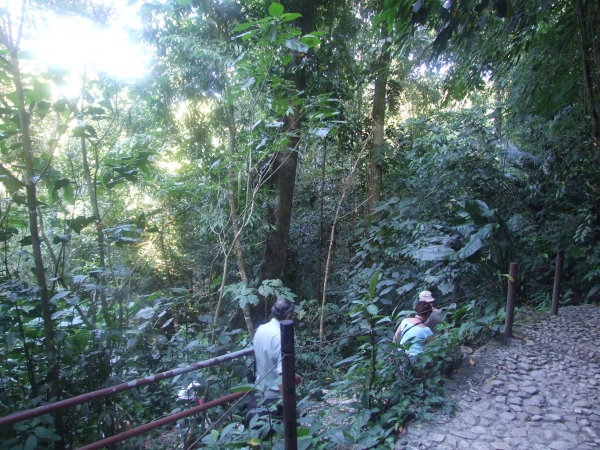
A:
[267,352]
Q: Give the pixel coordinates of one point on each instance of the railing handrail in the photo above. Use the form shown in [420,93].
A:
[161,422]
[51,407]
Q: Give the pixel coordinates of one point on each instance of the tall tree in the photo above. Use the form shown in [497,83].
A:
[285,162]
[29,92]
[379,105]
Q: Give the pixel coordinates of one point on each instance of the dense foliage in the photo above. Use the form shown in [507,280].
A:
[344,154]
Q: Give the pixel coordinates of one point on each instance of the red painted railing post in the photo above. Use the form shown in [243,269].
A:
[557,279]
[288,368]
[510,298]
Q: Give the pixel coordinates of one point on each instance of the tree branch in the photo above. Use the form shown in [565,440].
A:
[10,175]
[20,32]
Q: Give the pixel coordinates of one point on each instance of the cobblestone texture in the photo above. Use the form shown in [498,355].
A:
[538,390]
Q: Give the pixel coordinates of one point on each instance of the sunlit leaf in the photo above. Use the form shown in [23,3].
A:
[275,9]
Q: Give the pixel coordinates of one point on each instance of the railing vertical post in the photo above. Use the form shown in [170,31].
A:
[557,279]
[510,298]
[288,368]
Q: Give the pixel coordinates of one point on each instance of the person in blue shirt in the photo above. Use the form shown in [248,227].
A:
[413,332]
[436,314]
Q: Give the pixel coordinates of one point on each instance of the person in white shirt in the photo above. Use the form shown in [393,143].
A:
[267,353]
[267,349]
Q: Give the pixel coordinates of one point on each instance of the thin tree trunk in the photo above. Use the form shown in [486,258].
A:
[379,96]
[28,358]
[321,218]
[597,45]
[91,185]
[161,239]
[587,72]
[40,271]
[331,239]
[498,114]
[237,243]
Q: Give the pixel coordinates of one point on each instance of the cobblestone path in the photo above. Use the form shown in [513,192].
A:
[539,390]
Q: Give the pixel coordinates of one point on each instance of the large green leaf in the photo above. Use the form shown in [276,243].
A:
[275,9]
[288,17]
[474,245]
[7,233]
[373,283]
[61,239]
[31,443]
[79,223]
[433,253]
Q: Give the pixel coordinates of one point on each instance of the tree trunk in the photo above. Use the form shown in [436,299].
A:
[377,151]
[321,219]
[91,185]
[237,240]
[597,45]
[284,163]
[40,271]
[587,71]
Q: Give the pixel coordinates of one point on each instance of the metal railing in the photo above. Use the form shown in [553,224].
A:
[52,407]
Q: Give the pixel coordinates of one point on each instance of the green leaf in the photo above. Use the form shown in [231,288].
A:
[79,132]
[59,105]
[272,32]
[79,223]
[242,27]
[61,183]
[61,239]
[25,241]
[90,129]
[60,295]
[6,234]
[288,17]
[94,111]
[310,41]
[372,309]
[304,442]
[275,9]
[593,291]
[43,108]
[69,194]
[45,433]
[106,103]
[373,283]
[31,442]
[350,359]
[241,388]
[471,248]
[433,253]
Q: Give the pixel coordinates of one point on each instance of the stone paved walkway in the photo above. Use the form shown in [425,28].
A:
[539,390]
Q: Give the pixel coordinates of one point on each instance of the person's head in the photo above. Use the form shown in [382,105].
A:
[283,309]
[426,296]
[423,309]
